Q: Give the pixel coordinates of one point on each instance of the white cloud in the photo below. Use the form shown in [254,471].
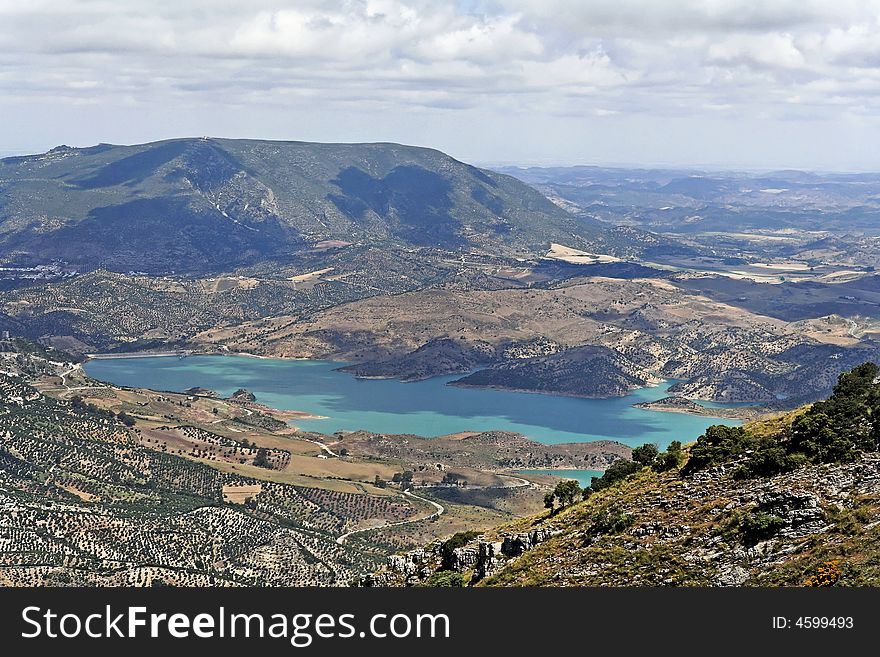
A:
[603,59]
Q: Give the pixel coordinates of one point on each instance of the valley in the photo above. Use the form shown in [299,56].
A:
[492,330]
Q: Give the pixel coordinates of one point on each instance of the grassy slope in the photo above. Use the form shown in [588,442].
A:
[703,544]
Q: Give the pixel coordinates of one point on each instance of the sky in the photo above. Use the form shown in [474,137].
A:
[738,84]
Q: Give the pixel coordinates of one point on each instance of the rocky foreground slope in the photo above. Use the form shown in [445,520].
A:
[791,501]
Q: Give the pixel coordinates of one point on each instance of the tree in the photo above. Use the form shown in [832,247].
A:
[126,419]
[567,491]
[848,422]
[646,454]
[669,459]
[617,471]
[262,458]
[717,445]
[550,502]
[404,477]
[379,482]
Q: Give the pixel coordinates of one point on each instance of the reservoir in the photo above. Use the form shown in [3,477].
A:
[426,408]
[583,477]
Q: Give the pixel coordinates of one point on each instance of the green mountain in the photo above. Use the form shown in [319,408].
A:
[191,205]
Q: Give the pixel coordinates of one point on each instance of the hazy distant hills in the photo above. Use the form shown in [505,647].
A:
[213,204]
[690,201]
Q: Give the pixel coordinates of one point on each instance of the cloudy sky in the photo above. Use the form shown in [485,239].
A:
[719,83]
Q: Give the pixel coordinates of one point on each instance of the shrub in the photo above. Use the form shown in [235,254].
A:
[456,541]
[610,520]
[752,528]
[445,579]
[617,471]
[717,445]
[768,460]
[827,574]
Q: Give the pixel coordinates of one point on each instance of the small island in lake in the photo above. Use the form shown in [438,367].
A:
[675,404]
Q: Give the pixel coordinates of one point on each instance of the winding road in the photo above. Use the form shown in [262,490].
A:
[439,511]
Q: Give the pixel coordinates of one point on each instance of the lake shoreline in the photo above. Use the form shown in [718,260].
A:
[721,414]
[306,389]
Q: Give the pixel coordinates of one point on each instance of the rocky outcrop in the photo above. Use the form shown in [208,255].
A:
[404,569]
[515,544]
[199,392]
[481,557]
[802,512]
[660,530]
[242,395]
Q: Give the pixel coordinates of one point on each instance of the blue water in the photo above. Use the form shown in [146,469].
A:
[583,477]
[427,408]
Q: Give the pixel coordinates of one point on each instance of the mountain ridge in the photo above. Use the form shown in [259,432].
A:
[202,204]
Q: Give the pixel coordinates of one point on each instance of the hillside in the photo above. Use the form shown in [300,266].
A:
[195,205]
[93,494]
[542,338]
[794,500]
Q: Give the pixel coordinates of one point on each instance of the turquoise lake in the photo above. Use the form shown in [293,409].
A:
[583,477]
[427,408]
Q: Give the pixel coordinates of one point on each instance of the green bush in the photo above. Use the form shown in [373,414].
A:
[567,492]
[617,471]
[670,459]
[719,444]
[455,541]
[610,520]
[646,454]
[445,579]
[838,429]
[768,460]
[752,528]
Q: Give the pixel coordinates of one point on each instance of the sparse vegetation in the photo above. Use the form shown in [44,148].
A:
[611,520]
[445,579]
[836,430]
